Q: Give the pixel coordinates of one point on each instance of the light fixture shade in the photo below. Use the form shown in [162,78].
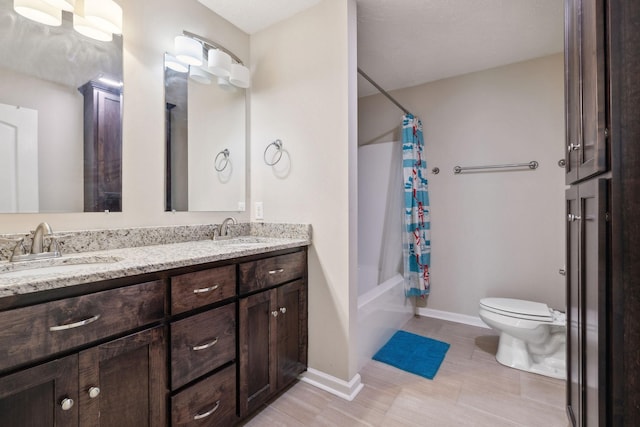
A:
[86,28]
[173,63]
[188,50]
[39,11]
[219,63]
[66,5]
[239,76]
[199,75]
[225,85]
[104,14]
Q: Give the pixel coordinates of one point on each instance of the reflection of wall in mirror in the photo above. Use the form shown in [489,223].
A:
[60,137]
[216,122]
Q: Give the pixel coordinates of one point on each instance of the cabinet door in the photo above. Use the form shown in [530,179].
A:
[257,336]
[43,396]
[123,382]
[587,251]
[292,331]
[585,89]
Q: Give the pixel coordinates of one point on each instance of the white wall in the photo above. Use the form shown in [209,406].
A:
[495,233]
[60,137]
[304,93]
[149,29]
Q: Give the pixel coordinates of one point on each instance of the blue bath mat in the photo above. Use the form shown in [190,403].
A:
[413,353]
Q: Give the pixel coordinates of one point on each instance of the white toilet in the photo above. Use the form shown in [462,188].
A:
[532,336]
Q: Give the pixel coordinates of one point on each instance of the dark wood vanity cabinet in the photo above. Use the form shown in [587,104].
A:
[116,382]
[602,64]
[272,327]
[203,347]
[162,352]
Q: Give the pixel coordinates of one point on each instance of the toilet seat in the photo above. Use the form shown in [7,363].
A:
[519,309]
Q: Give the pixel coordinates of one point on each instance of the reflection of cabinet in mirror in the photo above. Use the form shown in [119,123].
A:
[102,148]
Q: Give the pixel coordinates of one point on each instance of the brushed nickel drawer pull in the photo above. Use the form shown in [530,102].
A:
[279,270]
[205,290]
[205,346]
[75,324]
[206,414]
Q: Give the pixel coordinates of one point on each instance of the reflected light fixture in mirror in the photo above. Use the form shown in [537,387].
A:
[97,19]
[199,75]
[39,11]
[106,15]
[173,63]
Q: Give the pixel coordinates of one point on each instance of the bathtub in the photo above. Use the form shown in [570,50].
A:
[382,310]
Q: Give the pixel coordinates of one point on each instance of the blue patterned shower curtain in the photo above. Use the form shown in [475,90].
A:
[417,228]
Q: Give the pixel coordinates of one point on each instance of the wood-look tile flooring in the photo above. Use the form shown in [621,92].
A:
[470,389]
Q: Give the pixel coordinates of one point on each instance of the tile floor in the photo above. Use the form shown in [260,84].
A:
[470,389]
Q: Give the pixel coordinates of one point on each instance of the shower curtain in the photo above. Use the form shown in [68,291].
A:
[417,235]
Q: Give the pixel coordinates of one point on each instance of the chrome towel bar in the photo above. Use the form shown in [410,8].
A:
[531,165]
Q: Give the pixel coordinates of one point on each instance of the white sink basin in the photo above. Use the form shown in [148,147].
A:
[62,265]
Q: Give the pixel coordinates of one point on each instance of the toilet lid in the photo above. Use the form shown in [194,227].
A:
[517,307]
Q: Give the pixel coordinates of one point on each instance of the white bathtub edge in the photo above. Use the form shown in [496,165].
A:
[453,317]
[336,386]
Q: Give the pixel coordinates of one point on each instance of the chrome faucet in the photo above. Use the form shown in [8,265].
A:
[37,250]
[43,229]
[223,232]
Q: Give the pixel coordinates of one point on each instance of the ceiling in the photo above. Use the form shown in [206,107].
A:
[403,43]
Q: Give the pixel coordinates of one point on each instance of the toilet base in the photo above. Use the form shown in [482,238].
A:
[513,352]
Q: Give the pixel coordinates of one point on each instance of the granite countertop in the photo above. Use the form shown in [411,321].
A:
[78,268]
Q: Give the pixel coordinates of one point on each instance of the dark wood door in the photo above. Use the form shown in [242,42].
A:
[585,90]
[292,332]
[587,296]
[257,342]
[123,382]
[43,396]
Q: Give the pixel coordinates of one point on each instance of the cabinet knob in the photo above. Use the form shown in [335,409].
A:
[94,392]
[573,147]
[66,403]
[572,218]
[283,310]
[274,313]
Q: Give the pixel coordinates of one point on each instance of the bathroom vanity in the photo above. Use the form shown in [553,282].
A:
[192,333]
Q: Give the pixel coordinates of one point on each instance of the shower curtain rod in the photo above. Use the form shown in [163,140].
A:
[382,91]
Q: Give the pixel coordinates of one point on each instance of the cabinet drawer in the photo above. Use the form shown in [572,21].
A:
[193,290]
[202,343]
[34,332]
[272,271]
[210,402]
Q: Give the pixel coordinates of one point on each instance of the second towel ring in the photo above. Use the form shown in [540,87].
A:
[224,153]
[278,146]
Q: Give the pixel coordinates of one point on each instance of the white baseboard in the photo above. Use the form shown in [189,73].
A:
[336,386]
[452,317]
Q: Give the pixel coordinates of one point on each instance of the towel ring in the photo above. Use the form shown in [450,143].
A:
[278,145]
[225,154]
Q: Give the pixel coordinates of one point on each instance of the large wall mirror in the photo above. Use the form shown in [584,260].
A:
[60,116]
[205,138]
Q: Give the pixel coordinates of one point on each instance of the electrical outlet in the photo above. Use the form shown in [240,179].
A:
[241,207]
[259,210]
